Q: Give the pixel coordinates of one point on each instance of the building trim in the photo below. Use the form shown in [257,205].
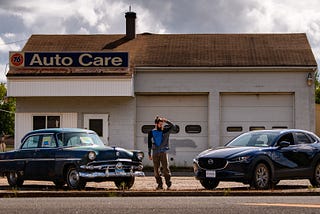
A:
[67,87]
[233,69]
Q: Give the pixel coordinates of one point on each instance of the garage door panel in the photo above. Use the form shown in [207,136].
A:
[183,110]
[178,101]
[257,100]
[172,113]
[257,114]
[179,148]
[179,143]
[246,126]
[251,110]
[182,125]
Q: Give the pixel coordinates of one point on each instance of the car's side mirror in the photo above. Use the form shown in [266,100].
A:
[283,144]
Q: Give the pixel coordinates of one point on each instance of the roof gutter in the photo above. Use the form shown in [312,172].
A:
[265,68]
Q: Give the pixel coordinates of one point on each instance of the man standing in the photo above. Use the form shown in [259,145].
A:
[158,143]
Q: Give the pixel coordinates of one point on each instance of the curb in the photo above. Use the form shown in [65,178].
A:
[41,194]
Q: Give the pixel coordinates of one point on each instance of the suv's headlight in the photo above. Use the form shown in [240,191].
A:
[92,155]
[239,159]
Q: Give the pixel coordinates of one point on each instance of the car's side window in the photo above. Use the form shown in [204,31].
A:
[31,142]
[287,137]
[313,138]
[48,141]
[74,141]
[301,138]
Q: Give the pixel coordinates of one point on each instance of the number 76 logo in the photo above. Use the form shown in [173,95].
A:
[16,59]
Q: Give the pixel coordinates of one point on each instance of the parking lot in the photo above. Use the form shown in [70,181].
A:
[180,183]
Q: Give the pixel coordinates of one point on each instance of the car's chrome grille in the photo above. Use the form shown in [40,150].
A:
[212,163]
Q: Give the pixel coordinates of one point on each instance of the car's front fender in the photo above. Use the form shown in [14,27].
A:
[260,159]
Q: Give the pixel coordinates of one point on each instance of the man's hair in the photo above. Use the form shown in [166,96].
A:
[158,120]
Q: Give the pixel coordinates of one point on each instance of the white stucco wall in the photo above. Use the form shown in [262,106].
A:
[120,109]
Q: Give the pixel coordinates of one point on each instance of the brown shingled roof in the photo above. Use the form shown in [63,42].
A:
[188,50]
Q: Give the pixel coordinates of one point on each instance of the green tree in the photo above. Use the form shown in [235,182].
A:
[7,109]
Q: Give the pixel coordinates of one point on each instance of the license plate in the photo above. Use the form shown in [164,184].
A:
[210,174]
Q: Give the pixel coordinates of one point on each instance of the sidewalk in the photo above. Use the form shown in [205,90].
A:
[145,186]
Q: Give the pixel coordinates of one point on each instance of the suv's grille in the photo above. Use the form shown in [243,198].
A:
[212,163]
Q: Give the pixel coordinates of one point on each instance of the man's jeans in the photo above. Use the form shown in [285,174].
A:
[162,158]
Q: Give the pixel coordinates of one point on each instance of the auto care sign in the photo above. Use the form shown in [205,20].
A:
[69,59]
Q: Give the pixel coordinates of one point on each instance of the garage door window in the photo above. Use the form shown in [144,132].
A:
[234,129]
[254,128]
[193,129]
[279,127]
[145,129]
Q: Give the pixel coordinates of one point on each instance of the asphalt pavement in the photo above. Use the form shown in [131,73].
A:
[176,205]
[145,186]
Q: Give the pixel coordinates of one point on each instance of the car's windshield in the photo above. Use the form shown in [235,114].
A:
[255,139]
[76,139]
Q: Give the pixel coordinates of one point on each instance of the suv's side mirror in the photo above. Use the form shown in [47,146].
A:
[284,144]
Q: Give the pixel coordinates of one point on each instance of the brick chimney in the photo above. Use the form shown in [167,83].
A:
[131,24]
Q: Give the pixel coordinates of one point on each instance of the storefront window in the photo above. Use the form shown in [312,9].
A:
[43,122]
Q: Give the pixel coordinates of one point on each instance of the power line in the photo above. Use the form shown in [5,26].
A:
[7,111]
[9,43]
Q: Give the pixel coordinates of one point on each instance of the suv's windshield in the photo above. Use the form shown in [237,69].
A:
[76,139]
[255,139]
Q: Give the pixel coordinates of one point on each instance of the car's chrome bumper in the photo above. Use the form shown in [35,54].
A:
[110,174]
[110,171]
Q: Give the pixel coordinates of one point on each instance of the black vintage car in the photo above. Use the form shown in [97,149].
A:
[72,157]
[262,159]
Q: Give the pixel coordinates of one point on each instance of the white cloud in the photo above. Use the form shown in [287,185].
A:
[5,48]
[19,18]
[3,72]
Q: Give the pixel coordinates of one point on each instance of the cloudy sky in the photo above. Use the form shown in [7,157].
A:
[20,18]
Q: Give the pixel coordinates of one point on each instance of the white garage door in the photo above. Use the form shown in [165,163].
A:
[185,111]
[245,112]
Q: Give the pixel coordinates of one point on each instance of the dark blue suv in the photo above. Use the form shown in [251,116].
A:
[262,159]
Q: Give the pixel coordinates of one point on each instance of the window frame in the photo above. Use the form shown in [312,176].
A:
[46,120]
[193,132]
[256,128]
[25,141]
[234,129]
[296,142]
[153,126]
[53,141]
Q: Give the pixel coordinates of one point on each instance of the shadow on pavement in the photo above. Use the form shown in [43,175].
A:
[65,188]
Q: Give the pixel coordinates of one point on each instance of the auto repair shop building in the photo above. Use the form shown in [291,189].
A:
[214,86]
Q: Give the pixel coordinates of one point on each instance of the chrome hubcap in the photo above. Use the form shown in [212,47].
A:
[74,178]
[13,176]
[262,177]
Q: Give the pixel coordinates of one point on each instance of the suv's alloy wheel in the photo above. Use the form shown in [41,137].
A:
[261,177]
[315,181]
